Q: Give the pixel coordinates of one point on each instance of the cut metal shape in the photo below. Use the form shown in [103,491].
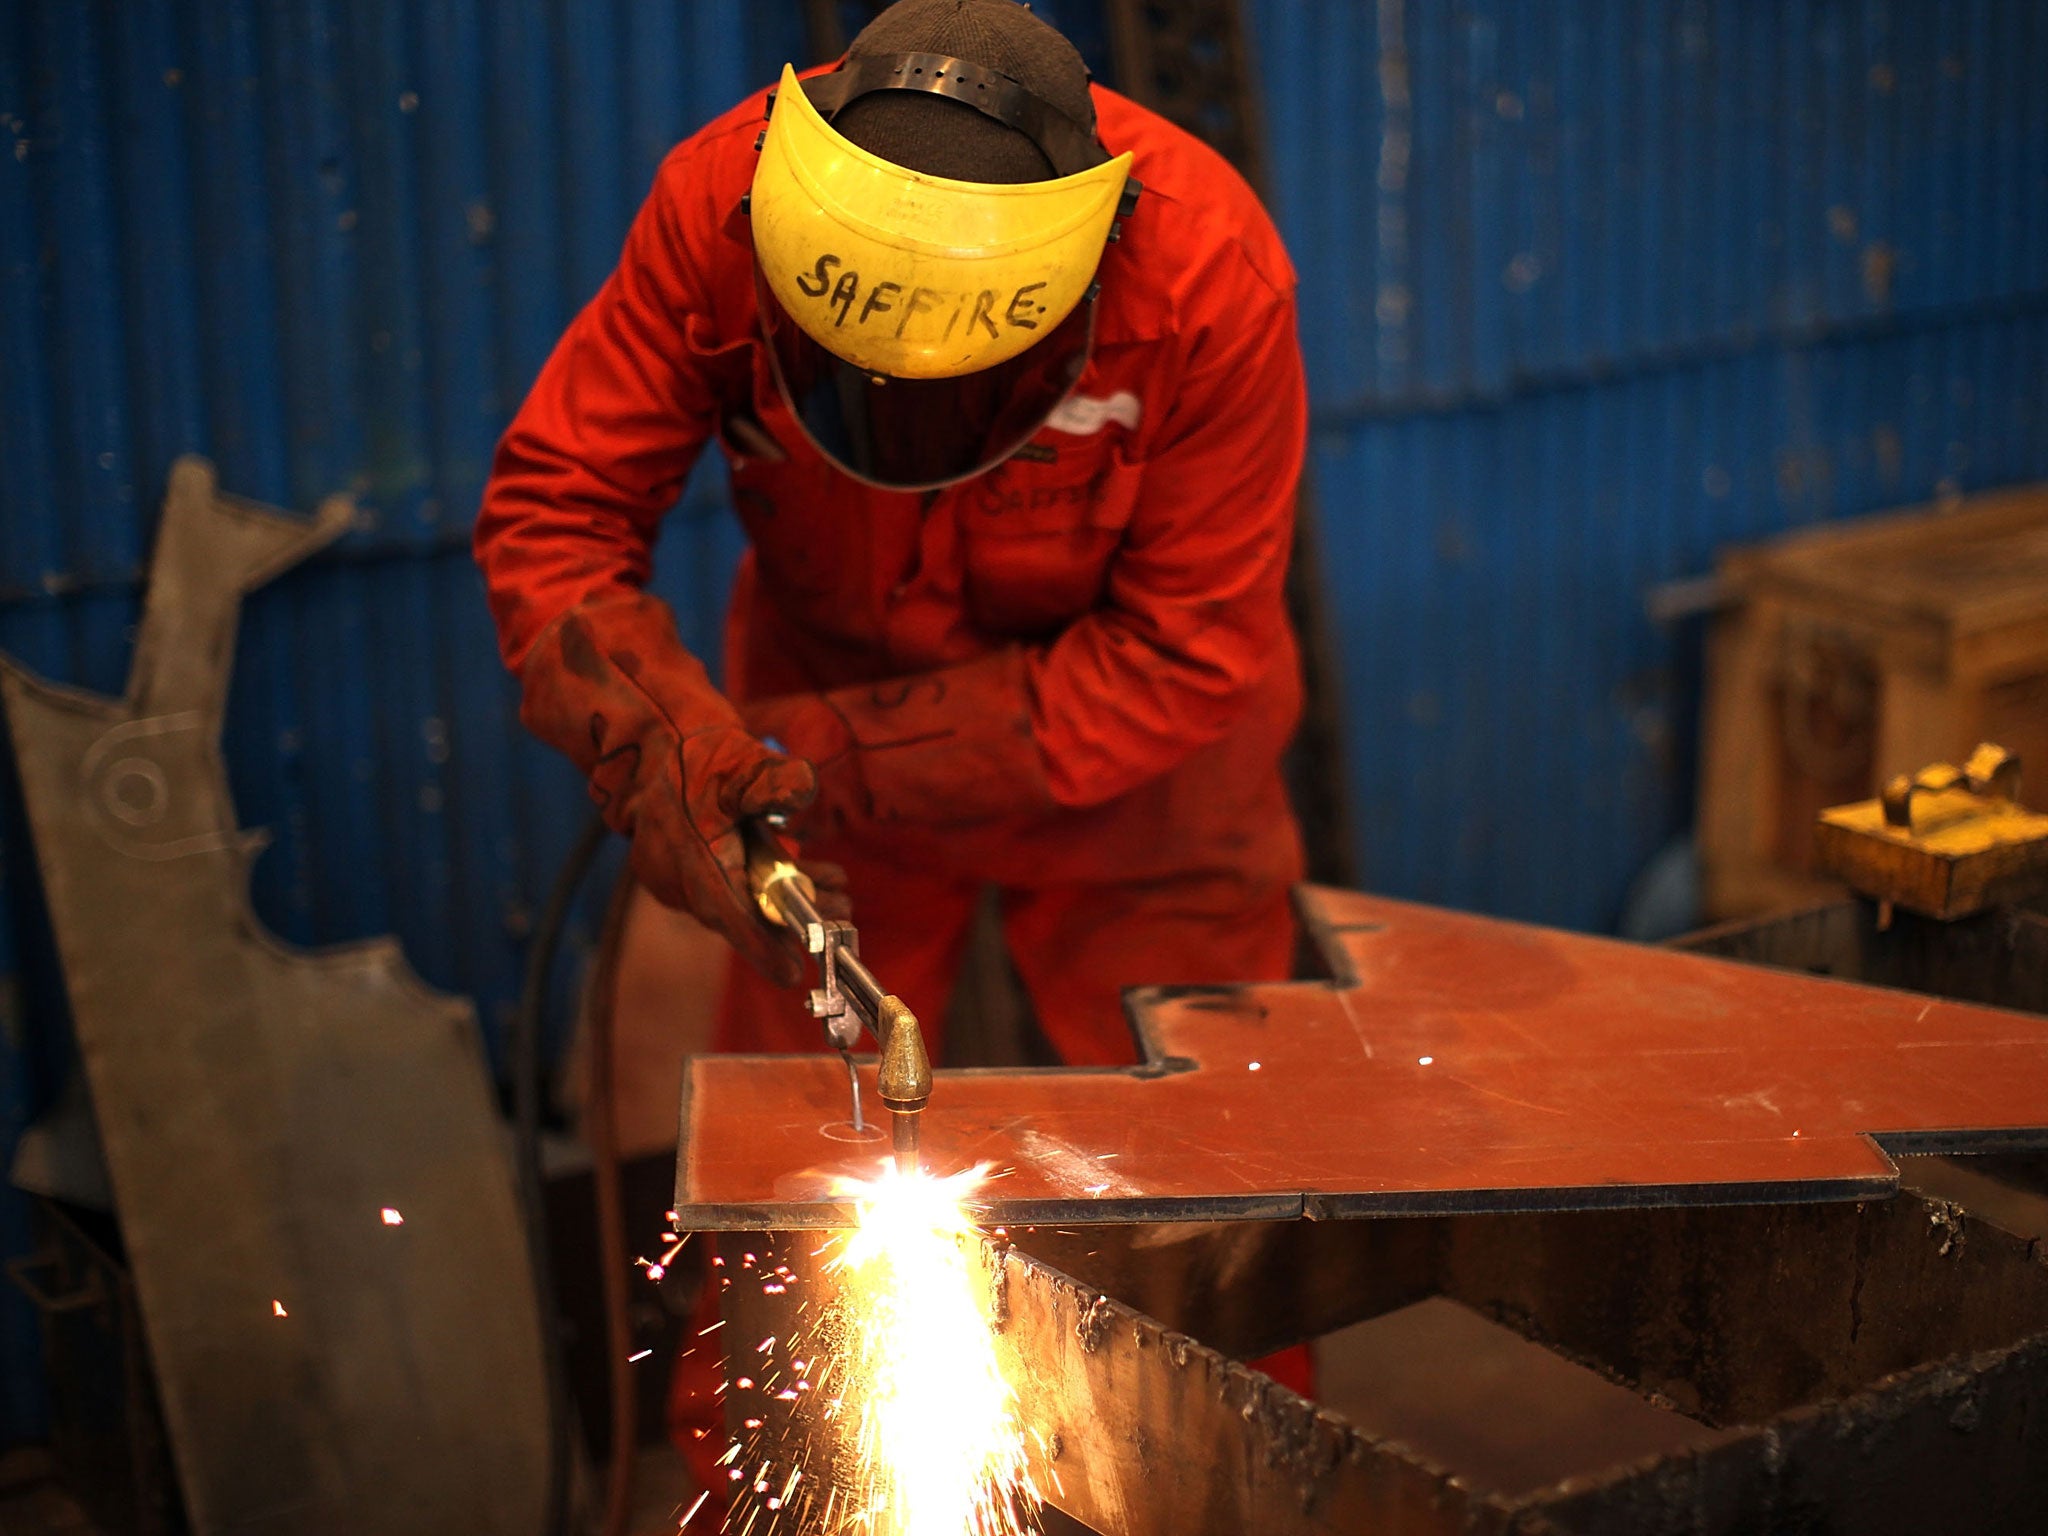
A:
[1455,1064]
[305,1154]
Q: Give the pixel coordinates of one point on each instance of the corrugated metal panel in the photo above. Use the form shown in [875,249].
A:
[1522,735]
[1487,198]
[1590,289]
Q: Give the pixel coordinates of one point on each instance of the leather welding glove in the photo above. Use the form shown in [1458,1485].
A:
[670,765]
[950,747]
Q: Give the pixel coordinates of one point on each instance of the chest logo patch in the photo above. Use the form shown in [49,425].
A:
[1085,415]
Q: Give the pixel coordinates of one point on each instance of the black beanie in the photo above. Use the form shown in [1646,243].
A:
[927,133]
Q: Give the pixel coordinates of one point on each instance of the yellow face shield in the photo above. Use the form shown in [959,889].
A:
[909,276]
[921,329]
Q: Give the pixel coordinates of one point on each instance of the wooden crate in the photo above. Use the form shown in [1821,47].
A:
[1861,650]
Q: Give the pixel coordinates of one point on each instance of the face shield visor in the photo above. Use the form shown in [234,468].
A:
[921,329]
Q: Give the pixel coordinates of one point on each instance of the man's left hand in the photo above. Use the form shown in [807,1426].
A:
[805,725]
[950,747]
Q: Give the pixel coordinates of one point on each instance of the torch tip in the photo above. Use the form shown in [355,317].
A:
[905,1136]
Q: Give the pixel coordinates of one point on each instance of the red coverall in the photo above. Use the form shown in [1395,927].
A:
[1121,579]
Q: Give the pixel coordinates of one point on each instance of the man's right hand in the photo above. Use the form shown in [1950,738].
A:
[670,764]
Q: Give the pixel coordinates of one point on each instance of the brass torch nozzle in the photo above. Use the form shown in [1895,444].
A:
[905,1077]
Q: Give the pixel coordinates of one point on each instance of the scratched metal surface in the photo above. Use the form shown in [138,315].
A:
[1456,1064]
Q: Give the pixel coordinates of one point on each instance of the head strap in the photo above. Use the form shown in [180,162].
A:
[1070,146]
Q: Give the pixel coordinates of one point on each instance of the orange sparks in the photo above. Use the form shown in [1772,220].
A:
[937,1422]
[929,1438]
[277,1309]
[391,1217]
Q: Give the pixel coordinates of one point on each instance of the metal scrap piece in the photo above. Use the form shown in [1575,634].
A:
[326,1368]
[1454,1063]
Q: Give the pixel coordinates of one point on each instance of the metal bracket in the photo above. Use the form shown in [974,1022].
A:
[829,1003]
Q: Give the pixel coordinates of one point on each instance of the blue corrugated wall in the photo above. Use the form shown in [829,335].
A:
[1590,288]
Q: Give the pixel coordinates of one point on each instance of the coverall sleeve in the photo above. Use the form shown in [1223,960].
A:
[1195,614]
[599,451]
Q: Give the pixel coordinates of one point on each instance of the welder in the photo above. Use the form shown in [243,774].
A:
[1006,373]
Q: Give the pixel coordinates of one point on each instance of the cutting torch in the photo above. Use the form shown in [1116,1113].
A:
[848,997]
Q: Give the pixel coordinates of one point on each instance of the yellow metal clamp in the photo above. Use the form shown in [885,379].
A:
[1992,774]
[1944,842]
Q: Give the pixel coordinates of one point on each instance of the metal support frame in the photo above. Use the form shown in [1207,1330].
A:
[1879,1367]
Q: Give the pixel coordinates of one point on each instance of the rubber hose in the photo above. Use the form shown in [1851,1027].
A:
[601,1130]
[527,1073]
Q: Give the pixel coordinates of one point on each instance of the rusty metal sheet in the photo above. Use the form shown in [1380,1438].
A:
[1454,1063]
[325,1368]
